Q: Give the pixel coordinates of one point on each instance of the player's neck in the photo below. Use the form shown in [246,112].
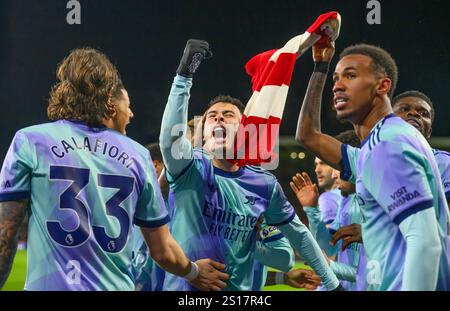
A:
[379,111]
[329,188]
[225,165]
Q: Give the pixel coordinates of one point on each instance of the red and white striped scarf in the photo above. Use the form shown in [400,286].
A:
[271,73]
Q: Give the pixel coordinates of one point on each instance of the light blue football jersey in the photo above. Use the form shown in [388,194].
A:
[396,174]
[215,214]
[86,187]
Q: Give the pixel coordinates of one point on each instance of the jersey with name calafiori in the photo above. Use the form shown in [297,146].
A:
[86,188]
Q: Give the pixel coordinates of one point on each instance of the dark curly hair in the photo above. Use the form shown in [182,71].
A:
[87,83]
[383,63]
[226,99]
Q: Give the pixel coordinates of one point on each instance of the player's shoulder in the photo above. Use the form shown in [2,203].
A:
[441,155]
[38,128]
[393,131]
[37,131]
[258,170]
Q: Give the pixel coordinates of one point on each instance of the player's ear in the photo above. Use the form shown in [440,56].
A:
[110,109]
[384,86]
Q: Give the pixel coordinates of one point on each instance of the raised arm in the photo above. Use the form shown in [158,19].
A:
[176,148]
[308,132]
[12,214]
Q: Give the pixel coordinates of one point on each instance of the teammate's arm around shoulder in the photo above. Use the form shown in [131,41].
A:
[308,132]
[12,214]
[175,147]
[205,274]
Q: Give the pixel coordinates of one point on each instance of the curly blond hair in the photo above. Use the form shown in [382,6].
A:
[87,83]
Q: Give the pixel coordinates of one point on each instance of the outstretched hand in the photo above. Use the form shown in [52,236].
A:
[305,191]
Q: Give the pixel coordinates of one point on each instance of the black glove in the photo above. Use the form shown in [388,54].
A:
[194,52]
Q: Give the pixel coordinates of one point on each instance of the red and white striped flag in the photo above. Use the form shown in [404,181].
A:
[271,73]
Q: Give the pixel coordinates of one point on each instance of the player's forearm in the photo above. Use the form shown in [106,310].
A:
[422,239]
[320,231]
[309,119]
[11,217]
[176,149]
[343,271]
[173,260]
[303,241]
[308,127]
[313,214]
[166,251]
[277,254]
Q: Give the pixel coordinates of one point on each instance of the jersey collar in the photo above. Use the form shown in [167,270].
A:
[372,131]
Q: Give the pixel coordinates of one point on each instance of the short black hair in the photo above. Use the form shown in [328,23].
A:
[227,99]
[383,63]
[155,152]
[418,94]
[349,138]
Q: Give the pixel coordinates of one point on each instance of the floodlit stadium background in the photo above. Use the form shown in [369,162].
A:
[145,39]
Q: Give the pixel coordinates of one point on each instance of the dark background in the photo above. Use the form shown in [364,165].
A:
[145,39]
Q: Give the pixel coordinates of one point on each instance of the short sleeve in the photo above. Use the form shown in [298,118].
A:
[395,174]
[151,210]
[279,211]
[349,162]
[15,176]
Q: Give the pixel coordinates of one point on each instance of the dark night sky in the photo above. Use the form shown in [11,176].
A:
[145,39]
